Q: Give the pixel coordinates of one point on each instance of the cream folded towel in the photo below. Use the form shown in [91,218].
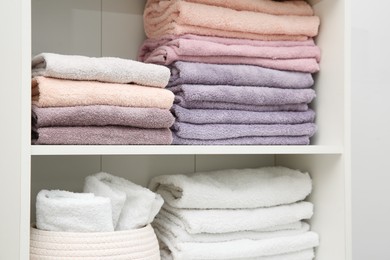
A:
[49,92]
[233,220]
[139,207]
[234,188]
[239,249]
[105,69]
[58,210]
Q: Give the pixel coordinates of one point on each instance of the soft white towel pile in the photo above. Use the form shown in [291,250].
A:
[235,214]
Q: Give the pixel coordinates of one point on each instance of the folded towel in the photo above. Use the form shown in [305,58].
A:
[293,58]
[250,140]
[244,95]
[259,187]
[225,131]
[238,75]
[217,221]
[264,6]
[49,92]
[164,225]
[279,247]
[179,17]
[73,212]
[232,106]
[102,135]
[140,206]
[219,116]
[102,116]
[106,69]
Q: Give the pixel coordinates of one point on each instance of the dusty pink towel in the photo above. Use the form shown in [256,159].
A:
[297,57]
[102,135]
[49,92]
[180,17]
[102,116]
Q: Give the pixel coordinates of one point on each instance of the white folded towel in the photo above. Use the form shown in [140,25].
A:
[140,207]
[230,220]
[105,69]
[58,210]
[236,188]
[237,249]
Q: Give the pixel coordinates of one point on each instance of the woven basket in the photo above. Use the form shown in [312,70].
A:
[136,244]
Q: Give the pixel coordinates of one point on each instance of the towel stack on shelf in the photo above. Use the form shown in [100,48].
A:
[82,100]
[240,70]
[235,214]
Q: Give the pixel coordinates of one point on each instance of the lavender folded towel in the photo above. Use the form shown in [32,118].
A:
[224,131]
[251,140]
[214,116]
[239,75]
[231,106]
[101,116]
[244,95]
[102,135]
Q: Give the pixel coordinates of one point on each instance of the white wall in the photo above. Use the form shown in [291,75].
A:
[370,129]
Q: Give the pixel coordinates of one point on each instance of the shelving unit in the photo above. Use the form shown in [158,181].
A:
[114,28]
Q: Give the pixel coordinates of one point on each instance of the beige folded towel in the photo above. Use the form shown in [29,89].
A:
[180,17]
[49,92]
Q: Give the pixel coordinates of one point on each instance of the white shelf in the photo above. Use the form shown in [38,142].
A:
[179,149]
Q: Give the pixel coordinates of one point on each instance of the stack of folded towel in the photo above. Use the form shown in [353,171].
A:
[82,100]
[240,70]
[235,214]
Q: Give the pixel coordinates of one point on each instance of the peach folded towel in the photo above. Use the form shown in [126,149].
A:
[180,17]
[104,69]
[49,92]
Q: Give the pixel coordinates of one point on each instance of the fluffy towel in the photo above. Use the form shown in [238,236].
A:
[232,106]
[297,7]
[244,95]
[102,116]
[238,75]
[105,69]
[218,116]
[243,248]
[49,92]
[294,58]
[73,212]
[217,221]
[234,188]
[102,135]
[140,206]
[251,140]
[225,131]
[179,17]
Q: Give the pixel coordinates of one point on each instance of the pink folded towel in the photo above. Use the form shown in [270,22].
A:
[49,92]
[108,135]
[180,17]
[302,58]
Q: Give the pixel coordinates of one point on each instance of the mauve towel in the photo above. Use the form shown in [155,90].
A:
[214,116]
[295,58]
[244,95]
[102,116]
[106,135]
[179,17]
[49,92]
[224,131]
[105,69]
[251,140]
[239,75]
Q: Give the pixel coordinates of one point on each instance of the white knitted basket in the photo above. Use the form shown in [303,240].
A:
[136,244]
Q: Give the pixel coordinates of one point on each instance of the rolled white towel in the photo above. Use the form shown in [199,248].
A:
[141,204]
[230,220]
[236,188]
[66,211]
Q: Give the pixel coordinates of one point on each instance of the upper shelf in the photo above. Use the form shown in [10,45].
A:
[179,149]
